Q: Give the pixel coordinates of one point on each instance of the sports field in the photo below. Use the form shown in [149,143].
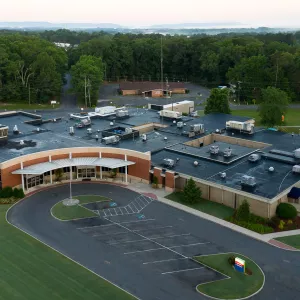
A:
[31,270]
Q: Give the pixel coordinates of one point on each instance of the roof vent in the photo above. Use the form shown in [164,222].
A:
[196,163]
[223,175]
[271,169]
[254,157]
[22,142]
[167,162]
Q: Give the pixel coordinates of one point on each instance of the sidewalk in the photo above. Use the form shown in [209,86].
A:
[267,238]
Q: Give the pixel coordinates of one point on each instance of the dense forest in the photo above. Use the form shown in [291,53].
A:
[248,62]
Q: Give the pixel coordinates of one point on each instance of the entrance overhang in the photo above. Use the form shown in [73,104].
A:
[42,168]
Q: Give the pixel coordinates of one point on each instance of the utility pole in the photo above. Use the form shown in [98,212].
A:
[85,91]
[29,96]
[89,92]
[276,73]
[161,64]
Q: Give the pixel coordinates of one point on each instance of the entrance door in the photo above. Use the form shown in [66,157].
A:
[86,172]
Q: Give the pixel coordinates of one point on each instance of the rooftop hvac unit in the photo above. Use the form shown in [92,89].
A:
[71,131]
[22,142]
[167,162]
[15,130]
[214,149]
[297,153]
[179,124]
[227,152]
[248,181]
[144,137]
[254,157]
[128,130]
[89,131]
[223,175]
[114,139]
[197,127]
[296,169]
[122,113]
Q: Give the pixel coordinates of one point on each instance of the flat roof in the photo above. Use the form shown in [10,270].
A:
[163,143]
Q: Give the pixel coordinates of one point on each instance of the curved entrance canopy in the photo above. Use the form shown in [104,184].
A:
[42,168]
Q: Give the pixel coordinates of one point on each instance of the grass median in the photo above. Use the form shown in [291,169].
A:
[66,213]
[238,285]
[31,270]
[293,240]
[212,208]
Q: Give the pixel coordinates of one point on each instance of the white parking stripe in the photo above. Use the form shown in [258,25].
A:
[158,227]
[170,236]
[115,211]
[182,270]
[116,243]
[104,212]
[108,234]
[188,245]
[134,206]
[148,250]
[144,220]
[126,209]
[160,261]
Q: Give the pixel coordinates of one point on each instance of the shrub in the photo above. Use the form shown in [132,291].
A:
[243,212]
[191,192]
[274,222]
[259,228]
[289,222]
[281,225]
[286,211]
[231,260]
[155,180]
[6,192]
[257,219]
[58,174]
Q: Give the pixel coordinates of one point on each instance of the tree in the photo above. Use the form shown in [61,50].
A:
[217,102]
[191,192]
[243,212]
[87,75]
[274,104]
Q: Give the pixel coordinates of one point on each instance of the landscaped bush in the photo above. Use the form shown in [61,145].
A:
[191,193]
[231,260]
[286,211]
[274,222]
[243,212]
[155,181]
[6,192]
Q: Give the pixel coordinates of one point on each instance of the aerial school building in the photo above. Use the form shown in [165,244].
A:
[229,159]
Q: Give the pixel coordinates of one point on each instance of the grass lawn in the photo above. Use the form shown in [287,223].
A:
[238,285]
[62,212]
[31,270]
[291,117]
[91,198]
[26,106]
[212,208]
[293,240]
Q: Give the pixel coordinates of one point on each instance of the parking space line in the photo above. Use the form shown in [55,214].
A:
[149,239]
[130,208]
[148,250]
[104,212]
[115,211]
[146,198]
[160,261]
[107,234]
[170,236]
[126,209]
[126,242]
[85,227]
[159,227]
[110,209]
[137,205]
[134,206]
[188,245]
[139,200]
[182,270]
[136,221]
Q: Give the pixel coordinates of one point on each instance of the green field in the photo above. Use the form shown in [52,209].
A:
[65,213]
[291,117]
[31,270]
[212,208]
[26,106]
[238,285]
[293,240]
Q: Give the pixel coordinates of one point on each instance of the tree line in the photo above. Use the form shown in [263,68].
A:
[246,63]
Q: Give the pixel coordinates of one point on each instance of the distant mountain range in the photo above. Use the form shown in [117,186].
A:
[49,25]
[198,25]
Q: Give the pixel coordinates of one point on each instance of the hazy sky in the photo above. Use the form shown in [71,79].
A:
[138,12]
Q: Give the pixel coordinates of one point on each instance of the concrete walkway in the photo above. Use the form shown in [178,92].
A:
[267,238]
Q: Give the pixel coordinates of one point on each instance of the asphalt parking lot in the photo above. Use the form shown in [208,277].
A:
[149,252]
